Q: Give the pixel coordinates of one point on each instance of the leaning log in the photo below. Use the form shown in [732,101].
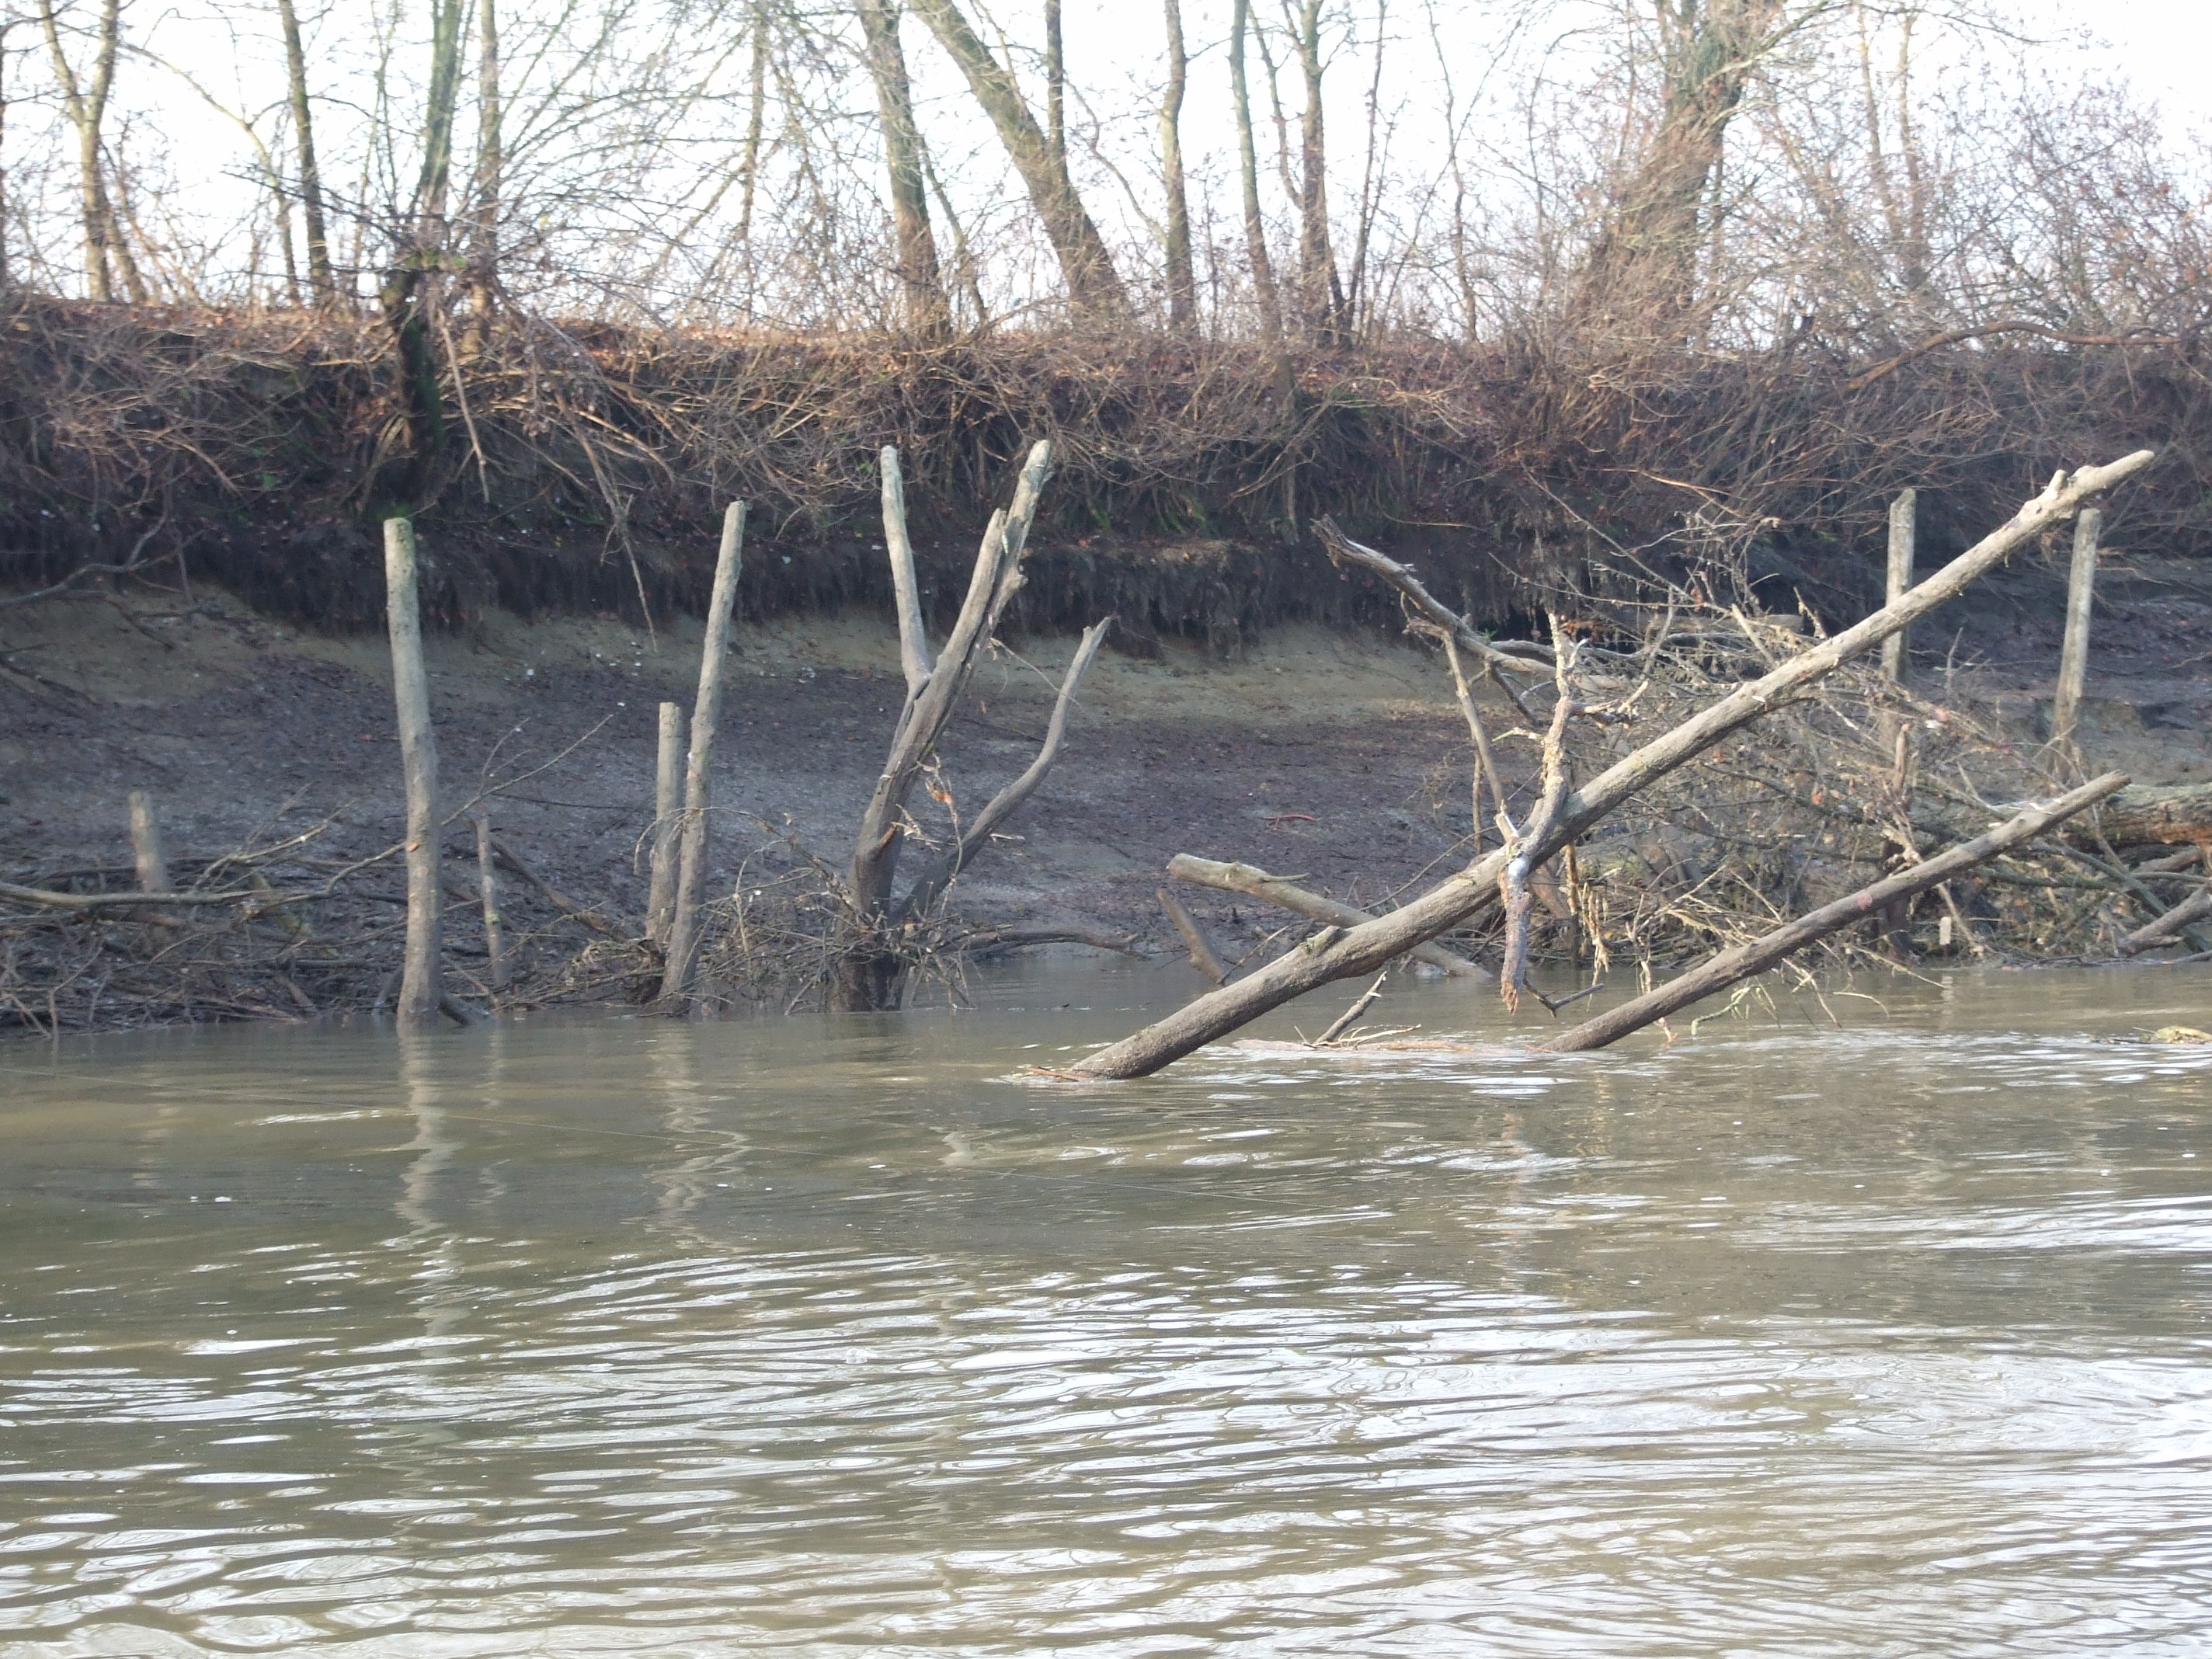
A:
[1337,954]
[1755,957]
[1256,883]
[2144,813]
[2196,908]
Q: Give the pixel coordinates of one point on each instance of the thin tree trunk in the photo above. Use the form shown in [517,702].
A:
[321,282]
[1248,173]
[1094,287]
[929,309]
[420,991]
[85,105]
[706,712]
[1903,536]
[1182,288]
[491,162]
[1319,293]
[1055,90]
[1337,954]
[756,127]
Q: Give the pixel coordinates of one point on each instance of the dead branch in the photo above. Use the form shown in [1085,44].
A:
[1203,956]
[1275,890]
[1741,963]
[1365,948]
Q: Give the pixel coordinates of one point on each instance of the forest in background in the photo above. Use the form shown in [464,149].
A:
[1550,292]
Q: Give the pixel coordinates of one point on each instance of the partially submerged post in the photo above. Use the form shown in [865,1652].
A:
[420,991]
[667,798]
[146,844]
[2073,654]
[488,890]
[1203,956]
[691,863]
[1903,533]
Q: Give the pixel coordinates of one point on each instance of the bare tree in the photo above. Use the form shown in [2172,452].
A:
[1248,173]
[483,255]
[1182,289]
[84,99]
[928,311]
[1094,286]
[321,282]
[1320,291]
[1646,250]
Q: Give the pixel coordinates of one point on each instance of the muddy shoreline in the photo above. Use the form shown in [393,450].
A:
[1333,755]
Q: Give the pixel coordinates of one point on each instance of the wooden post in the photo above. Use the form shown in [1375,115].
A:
[1202,954]
[146,844]
[488,889]
[667,799]
[691,863]
[1903,525]
[419,987]
[2074,655]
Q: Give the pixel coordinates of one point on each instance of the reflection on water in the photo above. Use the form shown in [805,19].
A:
[835,1337]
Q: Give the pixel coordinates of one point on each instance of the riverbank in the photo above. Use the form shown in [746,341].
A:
[1336,757]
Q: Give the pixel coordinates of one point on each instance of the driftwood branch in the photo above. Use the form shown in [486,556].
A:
[2196,908]
[1719,972]
[1258,884]
[1523,656]
[1203,956]
[1366,947]
[986,939]
[977,836]
[260,896]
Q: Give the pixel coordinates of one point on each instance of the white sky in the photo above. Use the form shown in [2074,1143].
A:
[2164,47]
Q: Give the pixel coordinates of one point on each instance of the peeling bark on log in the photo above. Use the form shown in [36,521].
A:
[2171,813]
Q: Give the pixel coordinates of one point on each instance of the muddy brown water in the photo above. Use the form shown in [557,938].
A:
[832,1337]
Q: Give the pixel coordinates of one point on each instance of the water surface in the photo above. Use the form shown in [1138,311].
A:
[834,1337]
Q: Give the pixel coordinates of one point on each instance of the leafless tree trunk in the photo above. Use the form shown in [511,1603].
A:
[1182,289]
[928,310]
[1646,250]
[1248,173]
[106,251]
[1094,287]
[322,282]
[491,161]
[1055,89]
[408,289]
[1321,295]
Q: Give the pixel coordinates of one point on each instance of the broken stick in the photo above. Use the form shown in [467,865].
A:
[1252,880]
[1718,973]
[1202,954]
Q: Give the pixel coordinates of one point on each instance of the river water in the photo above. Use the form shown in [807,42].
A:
[812,1336]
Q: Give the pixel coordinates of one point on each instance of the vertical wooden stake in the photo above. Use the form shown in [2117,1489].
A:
[2074,655]
[914,639]
[488,885]
[1903,524]
[420,992]
[667,798]
[691,863]
[146,844]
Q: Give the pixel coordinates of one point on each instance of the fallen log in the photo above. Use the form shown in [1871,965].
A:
[1364,949]
[2196,908]
[1256,882]
[263,897]
[2144,813]
[1718,973]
